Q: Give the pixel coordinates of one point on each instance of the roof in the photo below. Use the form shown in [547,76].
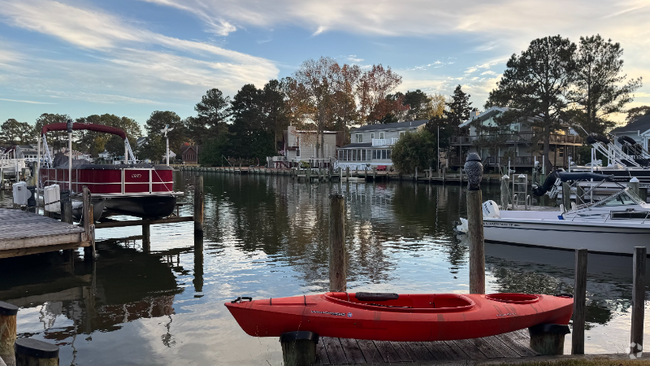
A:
[493,111]
[641,124]
[361,144]
[391,126]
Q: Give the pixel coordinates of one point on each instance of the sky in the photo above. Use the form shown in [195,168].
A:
[133,57]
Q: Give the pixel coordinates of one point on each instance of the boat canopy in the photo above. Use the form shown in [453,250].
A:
[83,126]
[566,177]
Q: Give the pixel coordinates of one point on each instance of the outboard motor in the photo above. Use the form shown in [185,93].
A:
[491,210]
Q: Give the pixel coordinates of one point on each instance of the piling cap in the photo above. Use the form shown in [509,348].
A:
[7,309]
[634,180]
[474,170]
[35,348]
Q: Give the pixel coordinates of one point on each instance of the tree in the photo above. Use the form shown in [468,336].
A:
[251,136]
[13,132]
[422,106]
[374,86]
[536,83]
[599,87]
[56,139]
[155,124]
[276,111]
[636,112]
[213,112]
[414,150]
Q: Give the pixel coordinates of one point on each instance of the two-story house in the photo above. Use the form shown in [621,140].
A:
[301,146]
[518,144]
[639,130]
[372,144]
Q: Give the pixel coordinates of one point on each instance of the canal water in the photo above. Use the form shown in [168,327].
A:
[267,236]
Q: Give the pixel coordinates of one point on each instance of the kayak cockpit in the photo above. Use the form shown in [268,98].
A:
[434,303]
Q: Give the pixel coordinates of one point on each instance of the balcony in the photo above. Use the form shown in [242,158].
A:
[384,142]
[491,161]
[517,138]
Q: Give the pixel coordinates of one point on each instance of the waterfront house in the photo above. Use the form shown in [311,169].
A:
[300,146]
[372,145]
[190,153]
[518,143]
[639,130]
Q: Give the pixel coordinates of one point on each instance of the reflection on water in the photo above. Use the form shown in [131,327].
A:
[266,236]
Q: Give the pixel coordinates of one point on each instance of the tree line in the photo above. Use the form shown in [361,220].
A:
[321,95]
[553,84]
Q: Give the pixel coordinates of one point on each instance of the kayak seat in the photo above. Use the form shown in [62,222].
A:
[376,296]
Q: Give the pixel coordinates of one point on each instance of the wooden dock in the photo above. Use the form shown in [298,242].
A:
[344,351]
[24,233]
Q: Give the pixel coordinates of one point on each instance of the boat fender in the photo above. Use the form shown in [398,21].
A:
[491,210]
[241,299]
[376,296]
[560,217]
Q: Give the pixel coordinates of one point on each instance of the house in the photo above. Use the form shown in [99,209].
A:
[517,144]
[29,152]
[300,146]
[639,130]
[372,144]
[190,153]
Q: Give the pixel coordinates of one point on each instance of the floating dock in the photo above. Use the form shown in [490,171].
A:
[25,233]
[344,351]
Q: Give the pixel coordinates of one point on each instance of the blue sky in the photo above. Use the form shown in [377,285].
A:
[132,57]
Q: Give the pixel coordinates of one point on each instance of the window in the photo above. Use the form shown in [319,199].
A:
[372,135]
[374,154]
[298,152]
[381,135]
[383,154]
[359,137]
[389,153]
[363,155]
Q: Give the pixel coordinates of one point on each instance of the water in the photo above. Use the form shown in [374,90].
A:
[266,236]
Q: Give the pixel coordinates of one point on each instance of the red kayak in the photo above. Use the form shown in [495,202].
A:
[393,317]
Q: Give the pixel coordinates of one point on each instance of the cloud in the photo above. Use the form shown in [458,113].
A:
[123,59]
[24,101]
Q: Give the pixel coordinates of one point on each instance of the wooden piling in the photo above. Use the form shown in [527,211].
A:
[66,208]
[146,238]
[476,248]
[638,300]
[634,185]
[90,254]
[566,196]
[198,204]
[579,303]
[548,339]
[8,314]
[32,352]
[337,264]
[299,348]
[504,192]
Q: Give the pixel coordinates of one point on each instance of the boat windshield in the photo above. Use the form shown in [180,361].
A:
[622,198]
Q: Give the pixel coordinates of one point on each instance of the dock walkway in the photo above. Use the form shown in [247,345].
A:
[343,351]
[24,233]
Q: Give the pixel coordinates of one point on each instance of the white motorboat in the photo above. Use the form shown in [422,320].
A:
[615,224]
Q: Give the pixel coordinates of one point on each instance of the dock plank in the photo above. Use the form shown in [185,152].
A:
[353,352]
[370,352]
[419,352]
[335,351]
[515,345]
[387,351]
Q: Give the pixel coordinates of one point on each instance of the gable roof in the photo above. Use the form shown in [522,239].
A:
[641,124]
[390,126]
[485,115]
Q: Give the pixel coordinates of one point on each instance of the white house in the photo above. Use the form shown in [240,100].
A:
[639,130]
[300,145]
[372,144]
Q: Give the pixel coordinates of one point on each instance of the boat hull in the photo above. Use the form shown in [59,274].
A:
[144,206]
[321,315]
[594,236]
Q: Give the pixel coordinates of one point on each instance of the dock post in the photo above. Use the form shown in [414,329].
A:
[504,192]
[638,299]
[146,238]
[579,303]
[643,194]
[347,172]
[32,352]
[337,265]
[415,177]
[566,196]
[374,173]
[90,254]
[8,314]
[198,205]
[66,207]
[548,339]
[474,170]
[299,348]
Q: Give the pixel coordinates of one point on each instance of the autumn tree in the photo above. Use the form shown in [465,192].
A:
[13,132]
[536,82]
[422,106]
[374,86]
[599,87]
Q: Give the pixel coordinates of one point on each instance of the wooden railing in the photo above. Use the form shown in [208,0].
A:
[519,137]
